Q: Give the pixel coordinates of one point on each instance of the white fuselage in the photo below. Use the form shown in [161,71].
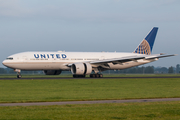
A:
[61,60]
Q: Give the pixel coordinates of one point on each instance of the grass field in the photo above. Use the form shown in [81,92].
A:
[90,89]
[122,111]
[87,89]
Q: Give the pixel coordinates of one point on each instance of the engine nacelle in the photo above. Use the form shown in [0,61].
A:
[81,68]
[52,72]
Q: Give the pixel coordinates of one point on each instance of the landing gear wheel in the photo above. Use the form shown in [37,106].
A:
[96,75]
[19,76]
[79,76]
[100,75]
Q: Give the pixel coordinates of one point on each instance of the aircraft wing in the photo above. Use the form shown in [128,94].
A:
[116,60]
[130,58]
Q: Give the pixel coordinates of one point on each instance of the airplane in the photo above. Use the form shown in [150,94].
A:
[85,63]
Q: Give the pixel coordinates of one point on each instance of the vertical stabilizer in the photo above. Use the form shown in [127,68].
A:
[147,44]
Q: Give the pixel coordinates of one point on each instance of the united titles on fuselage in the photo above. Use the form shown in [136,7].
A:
[58,56]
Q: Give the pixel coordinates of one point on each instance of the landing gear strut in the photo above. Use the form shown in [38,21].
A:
[18,73]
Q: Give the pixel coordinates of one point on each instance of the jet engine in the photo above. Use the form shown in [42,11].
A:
[52,72]
[81,68]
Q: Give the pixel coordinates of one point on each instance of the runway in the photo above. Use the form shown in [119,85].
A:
[30,78]
[89,102]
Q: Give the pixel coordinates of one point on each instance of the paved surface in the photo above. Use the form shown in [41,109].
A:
[89,102]
[24,78]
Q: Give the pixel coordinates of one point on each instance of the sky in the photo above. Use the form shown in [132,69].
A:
[89,26]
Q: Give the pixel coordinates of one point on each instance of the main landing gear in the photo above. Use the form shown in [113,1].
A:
[96,75]
[18,73]
[91,76]
[79,76]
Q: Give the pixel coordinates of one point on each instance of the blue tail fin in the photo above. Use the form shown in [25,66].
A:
[147,44]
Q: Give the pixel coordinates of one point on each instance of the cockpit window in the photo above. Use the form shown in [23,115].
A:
[10,58]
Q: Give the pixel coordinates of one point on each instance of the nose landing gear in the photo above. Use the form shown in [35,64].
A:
[19,76]
[18,73]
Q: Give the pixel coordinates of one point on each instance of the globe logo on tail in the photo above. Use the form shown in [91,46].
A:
[143,48]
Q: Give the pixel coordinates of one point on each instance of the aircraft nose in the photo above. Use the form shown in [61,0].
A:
[4,62]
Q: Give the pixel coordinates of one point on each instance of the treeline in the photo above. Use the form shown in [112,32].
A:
[11,71]
[147,70]
[133,70]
